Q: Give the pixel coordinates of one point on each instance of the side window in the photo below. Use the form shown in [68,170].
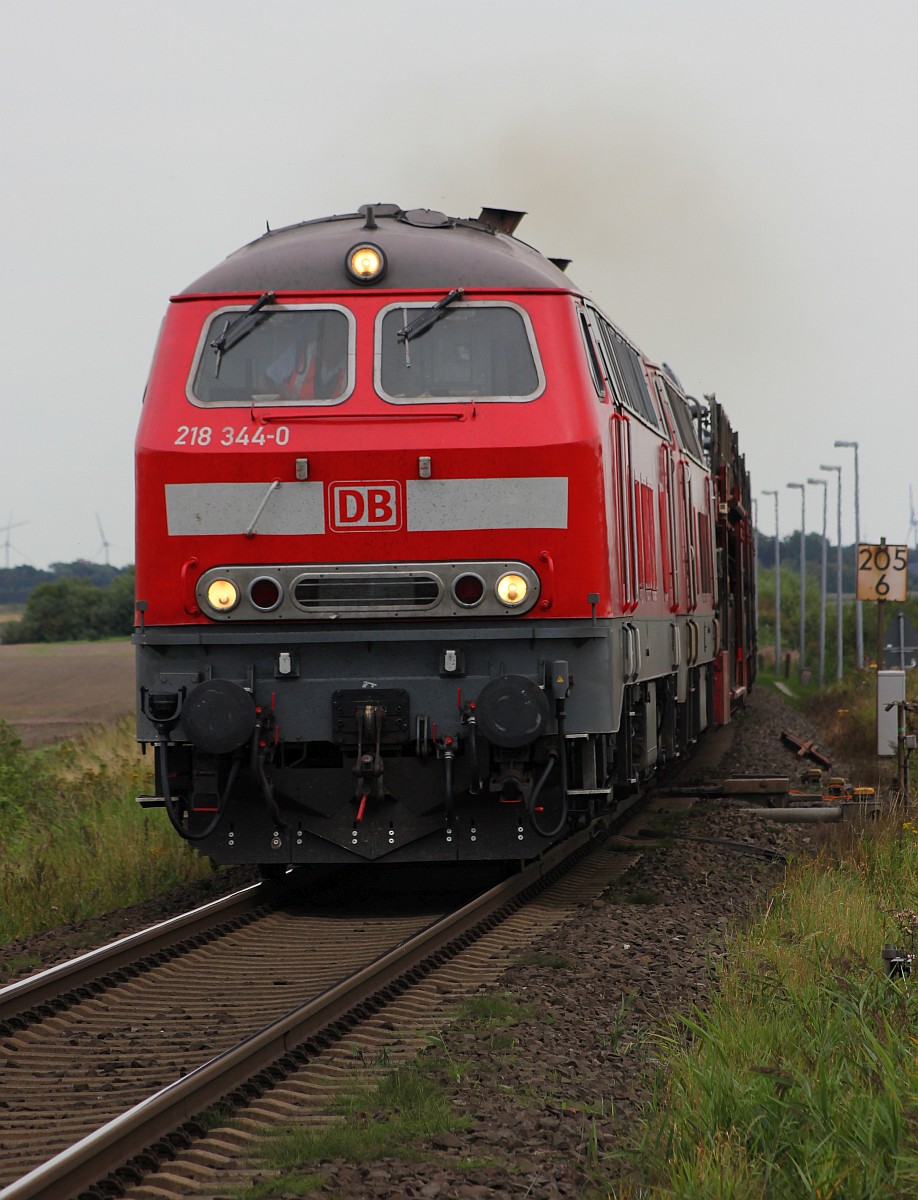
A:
[594,323]
[685,426]
[630,376]
[592,358]
[635,382]
[616,381]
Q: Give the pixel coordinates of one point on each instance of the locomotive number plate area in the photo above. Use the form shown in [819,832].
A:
[346,704]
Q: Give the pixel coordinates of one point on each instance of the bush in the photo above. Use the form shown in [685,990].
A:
[73,844]
[73,609]
[18,776]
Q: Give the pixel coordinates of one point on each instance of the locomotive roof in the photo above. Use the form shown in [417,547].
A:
[424,248]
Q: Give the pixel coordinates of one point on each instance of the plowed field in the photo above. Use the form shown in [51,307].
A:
[49,692]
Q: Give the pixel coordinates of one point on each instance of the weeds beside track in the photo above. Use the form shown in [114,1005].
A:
[800,1078]
[73,843]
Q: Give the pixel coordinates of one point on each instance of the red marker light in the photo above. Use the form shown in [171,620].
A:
[468,590]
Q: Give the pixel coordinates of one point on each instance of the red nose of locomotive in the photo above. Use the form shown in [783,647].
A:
[385,494]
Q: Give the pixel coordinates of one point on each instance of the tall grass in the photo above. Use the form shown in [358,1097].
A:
[847,715]
[800,1079]
[73,843]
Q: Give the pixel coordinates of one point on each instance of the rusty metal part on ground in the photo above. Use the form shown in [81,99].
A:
[736,785]
[805,749]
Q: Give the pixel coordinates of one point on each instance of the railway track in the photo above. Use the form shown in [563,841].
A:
[92,1038]
[105,1074]
[38,996]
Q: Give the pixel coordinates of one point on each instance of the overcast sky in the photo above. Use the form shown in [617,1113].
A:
[734,180]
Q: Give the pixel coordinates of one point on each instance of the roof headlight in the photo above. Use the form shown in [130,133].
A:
[222,595]
[512,589]
[366,263]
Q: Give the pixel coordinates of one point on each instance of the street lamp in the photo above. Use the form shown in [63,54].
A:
[858,608]
[802,488]
[774,493]
[824,484]
[838,576]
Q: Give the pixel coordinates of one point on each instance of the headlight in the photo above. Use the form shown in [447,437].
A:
[222,595]
[511,590]
[366,263]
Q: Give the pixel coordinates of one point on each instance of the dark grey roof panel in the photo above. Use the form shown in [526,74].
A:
[448,254]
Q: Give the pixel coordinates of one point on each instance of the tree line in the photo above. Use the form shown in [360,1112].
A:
[790,559]
[18,583]
[87,604]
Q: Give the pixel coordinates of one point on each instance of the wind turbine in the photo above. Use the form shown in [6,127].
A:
[105,542]
[7,545]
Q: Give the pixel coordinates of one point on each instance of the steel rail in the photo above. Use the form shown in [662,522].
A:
[325,1018]
[46,986]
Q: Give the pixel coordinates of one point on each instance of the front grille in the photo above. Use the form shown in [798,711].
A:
[323,592]
[392,590]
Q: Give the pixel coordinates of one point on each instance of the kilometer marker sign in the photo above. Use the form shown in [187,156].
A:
[882,572]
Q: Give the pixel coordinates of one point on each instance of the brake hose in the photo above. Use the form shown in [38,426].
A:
[555,756]
[172,806]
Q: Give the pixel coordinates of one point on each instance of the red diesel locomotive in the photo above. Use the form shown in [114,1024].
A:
[432,563]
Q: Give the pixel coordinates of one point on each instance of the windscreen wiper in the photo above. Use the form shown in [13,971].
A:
[234,331]
[429,316]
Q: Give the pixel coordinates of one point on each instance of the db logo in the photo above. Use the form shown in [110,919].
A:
[364,506]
